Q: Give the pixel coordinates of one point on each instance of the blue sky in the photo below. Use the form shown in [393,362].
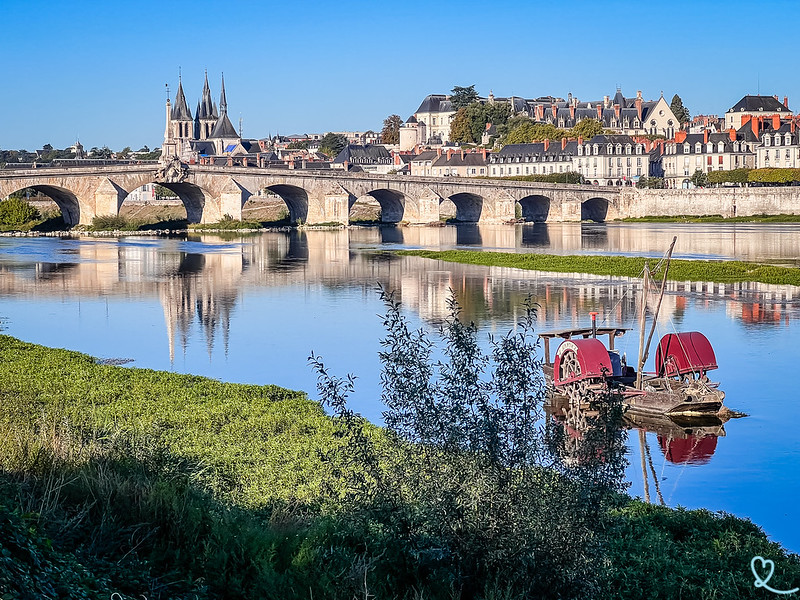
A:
[98,70]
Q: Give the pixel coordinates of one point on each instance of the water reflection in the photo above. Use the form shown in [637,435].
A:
[251,308]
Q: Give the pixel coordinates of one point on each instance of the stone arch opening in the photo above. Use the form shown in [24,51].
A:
[390,208]
[535,208]
[594,209]
[266,207]
[468,207]
[193,199]
[296,200]
[66,201]
[154,204]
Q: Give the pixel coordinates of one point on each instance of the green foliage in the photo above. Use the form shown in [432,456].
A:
[656,183]
[124,153]
[734,176]
[679,110]
[332,143]
[587,129]
[227,222]
[154,155]
[522,130]
[104,152]
[568,177]
[113,223]
[622,266]
[777,176]
[470,121]
[463,96]
[163,192]
[699,178]
[302,145]
[390,134]
[15,212]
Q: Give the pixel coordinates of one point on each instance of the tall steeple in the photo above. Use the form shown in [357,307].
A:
[183,127]
[206,112]
[223,101]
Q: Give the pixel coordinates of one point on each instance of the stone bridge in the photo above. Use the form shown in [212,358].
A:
[211,192]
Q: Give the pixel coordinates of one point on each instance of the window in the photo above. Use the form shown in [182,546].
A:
[494,171]
[639,162]
[687,149]
[610,149]
[698,148]
[526,170]
[767,140]
[482,170]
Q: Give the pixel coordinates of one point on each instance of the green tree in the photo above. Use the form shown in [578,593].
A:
[390,134]
[470,121]
[332,143]
[463,96]
[651,182]
[679,110]
[15,211]
[522,130]
[124,153]
[699,178]
[587,129]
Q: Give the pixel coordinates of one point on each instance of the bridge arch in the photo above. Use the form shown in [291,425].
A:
[393,204]
[535,208]
[66,200]
[296,199]
[594,209]
[469,206]
[194,199]
[163,208]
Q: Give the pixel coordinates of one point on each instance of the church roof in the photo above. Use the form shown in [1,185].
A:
[180,111]
[756,103]
[206,108]
[224,128]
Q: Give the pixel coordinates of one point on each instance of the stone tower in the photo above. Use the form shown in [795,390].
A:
[206,114]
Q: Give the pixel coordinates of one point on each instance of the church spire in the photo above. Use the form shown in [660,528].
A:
[181,112]
[223,102]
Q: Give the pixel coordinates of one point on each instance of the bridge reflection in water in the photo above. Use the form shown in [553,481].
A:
[200,278]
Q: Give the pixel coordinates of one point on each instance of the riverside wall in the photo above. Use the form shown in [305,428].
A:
[726,201]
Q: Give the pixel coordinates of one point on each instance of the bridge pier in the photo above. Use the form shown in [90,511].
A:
[423,209]
[108,197]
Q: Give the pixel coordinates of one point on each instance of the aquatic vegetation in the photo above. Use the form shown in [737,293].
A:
[619,266]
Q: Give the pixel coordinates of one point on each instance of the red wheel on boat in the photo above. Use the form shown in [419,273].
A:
[576,391]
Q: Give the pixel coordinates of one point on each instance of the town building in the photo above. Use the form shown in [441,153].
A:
[369,158]
[780,143]
[754,107]
[457,163]
[538,158]
[690,152]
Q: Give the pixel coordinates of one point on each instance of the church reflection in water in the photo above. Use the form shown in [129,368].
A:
[200,278]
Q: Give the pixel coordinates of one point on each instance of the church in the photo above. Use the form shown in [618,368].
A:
[209,133]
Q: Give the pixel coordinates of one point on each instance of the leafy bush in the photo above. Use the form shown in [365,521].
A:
[734,176]
[778,176]
[15,211]
[113,223]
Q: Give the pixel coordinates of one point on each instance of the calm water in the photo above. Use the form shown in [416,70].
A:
[251,309]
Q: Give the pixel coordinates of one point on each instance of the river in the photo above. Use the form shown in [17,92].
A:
[251,308]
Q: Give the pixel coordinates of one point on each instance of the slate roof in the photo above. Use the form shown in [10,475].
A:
[435,103]
[470,159]
[206,108]
[371,154]
[714,138]
[424,155]
[224,128]
[180,111]
[758,103]
[518,152]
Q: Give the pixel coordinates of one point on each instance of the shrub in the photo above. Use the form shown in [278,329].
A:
[113,223]
[15,211]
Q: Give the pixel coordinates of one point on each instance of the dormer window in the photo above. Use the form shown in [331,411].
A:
[777,140]
[627,148]
[721,147]
[618,149]
[638,148]
[610,149]
[709,147]
[687,149]
[698,148]
[596,149]
[767,140]
[787,139]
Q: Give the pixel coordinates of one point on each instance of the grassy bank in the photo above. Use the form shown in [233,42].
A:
[713,219]
[174,486]
[622,266]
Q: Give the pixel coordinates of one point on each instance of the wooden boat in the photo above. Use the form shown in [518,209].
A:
[584,367]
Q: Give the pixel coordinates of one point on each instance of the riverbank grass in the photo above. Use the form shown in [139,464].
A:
[140,482]
[763,218]
[619,266]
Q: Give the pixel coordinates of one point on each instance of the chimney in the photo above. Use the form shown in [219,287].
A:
[546,144]
[791,125]
[230,161]
[639,106]
[449,153]
[786,101]
[776,122]
[754,123]
[563,143]
[775,96]
[600,112]
[661,143]
[705,136]
[554,109]
[606,101]
[346,165]
[638,94]
[572,112]
[746,119]
[483,154]
[680,136]
[438,152]
[580,140]
[732,134]
[462,154]
[244,161]
[617,110]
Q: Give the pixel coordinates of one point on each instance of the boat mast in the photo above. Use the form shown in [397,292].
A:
[660,298]
[642,325]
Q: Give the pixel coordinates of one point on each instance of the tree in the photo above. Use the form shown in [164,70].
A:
[391,129]
[587,129]
[522,130]
[332,143]
[124,153]
[699,178]
[463,96]
[679,110]
[656,183]
[470,121]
